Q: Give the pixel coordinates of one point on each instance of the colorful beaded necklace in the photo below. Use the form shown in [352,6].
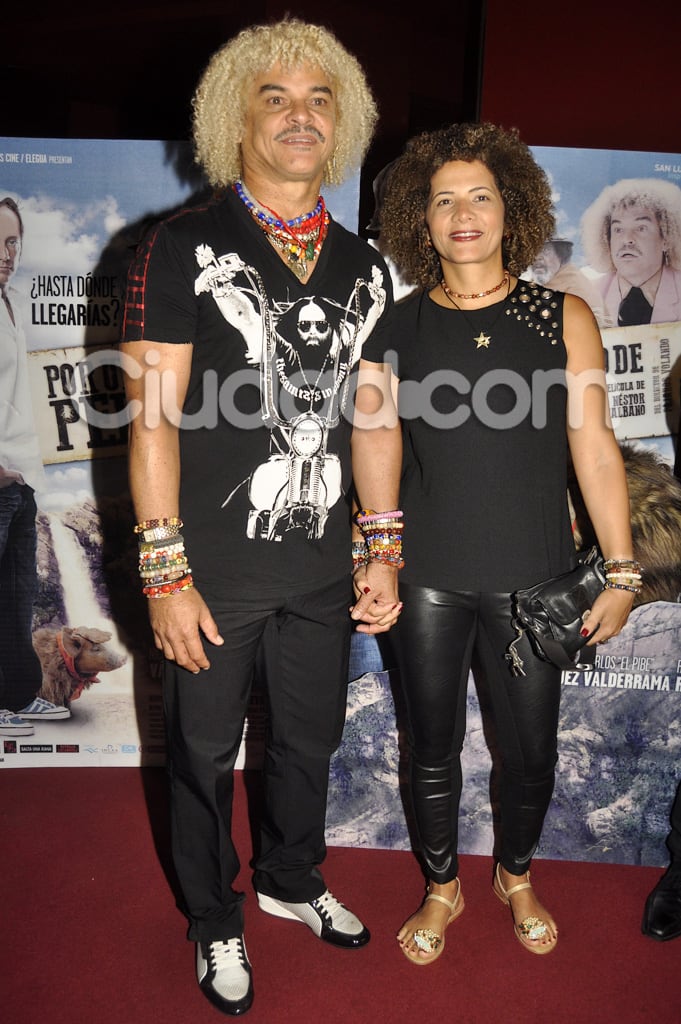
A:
[300,239]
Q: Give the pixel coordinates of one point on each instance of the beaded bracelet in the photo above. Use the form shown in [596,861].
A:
[157,548]
[622,586]
[367,515]
[152,524]
[152,551]
[160,582]
[167,589]
[360,554]
[164,570]
[161,557]
[621,565]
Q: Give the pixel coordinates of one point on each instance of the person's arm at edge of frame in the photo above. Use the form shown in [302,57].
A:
[178,620]
[376,466]
[597,460]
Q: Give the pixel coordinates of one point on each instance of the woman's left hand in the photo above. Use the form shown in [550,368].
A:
[378,605]
[608,616]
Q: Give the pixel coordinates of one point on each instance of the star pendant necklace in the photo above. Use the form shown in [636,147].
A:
[482,340]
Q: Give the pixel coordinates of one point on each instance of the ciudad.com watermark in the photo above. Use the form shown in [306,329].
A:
[444,399]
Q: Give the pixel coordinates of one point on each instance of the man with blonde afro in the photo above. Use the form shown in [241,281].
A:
[253,310]
[632,234]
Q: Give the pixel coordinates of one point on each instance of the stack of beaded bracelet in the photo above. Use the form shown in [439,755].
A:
[623,574]
[382,532]
[163,565]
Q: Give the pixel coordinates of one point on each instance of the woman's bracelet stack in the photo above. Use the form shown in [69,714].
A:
[623,574]
[381,538]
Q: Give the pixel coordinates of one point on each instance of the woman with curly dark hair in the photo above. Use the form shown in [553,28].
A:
[498,379]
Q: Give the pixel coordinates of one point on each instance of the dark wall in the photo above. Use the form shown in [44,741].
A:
[588,75]
[129,70]
[594,74]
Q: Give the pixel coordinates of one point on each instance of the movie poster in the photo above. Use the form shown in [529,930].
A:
[607,261]
[84,206]
[619,745]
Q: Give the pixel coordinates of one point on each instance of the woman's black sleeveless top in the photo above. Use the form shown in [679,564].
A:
[483,402]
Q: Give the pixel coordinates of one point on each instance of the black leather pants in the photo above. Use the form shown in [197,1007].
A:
[435,639]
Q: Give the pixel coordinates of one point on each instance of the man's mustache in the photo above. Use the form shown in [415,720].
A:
[309,130]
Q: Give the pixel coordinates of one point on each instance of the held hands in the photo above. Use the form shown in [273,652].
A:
[178,622]
[378,605]
[608,616]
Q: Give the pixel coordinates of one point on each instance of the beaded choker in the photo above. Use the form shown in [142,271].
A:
[299,239]
[473,295]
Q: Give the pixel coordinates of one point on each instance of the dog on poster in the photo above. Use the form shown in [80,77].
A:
[71,660]
[655,502]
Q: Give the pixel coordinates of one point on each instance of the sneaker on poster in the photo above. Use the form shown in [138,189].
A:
[41,710]
[13,725]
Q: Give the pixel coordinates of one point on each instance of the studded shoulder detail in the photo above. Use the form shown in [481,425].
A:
[537,307]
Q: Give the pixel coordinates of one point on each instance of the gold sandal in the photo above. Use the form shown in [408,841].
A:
[532,928]
[428,940]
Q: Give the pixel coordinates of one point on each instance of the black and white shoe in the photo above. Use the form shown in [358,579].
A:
[327,918]
[224,974]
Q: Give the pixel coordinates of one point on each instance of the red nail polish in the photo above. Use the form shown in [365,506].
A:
[367,590]
[584,632]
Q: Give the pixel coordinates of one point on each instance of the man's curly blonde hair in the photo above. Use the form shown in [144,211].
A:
[220,100]
[524,187]
[656,194]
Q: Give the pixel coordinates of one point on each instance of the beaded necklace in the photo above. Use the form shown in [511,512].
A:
[300,239]
[482,340]
[472,295]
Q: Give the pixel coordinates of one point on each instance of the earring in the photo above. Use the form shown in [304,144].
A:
[331,169]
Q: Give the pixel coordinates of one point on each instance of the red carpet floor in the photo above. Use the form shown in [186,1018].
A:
[91,933]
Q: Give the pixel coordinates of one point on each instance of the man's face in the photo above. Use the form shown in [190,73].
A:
[289,133]
[636,244]
[313,327]
[10,243]
[546,265]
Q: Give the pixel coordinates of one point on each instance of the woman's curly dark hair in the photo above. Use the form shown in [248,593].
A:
[524,187]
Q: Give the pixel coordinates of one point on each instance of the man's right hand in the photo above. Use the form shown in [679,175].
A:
[9,476]
[178,622]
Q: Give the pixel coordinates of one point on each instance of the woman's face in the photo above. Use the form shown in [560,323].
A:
[465,214]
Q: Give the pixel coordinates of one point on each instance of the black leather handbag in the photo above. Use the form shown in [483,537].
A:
[552,614]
